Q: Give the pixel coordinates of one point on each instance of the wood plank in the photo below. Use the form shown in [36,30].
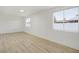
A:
[26,43]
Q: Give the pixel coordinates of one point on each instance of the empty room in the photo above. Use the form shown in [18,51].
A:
[39,29]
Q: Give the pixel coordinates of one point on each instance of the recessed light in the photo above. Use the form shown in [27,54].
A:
[21,10]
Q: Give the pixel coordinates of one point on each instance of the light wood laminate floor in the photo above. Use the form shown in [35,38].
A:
[26,43]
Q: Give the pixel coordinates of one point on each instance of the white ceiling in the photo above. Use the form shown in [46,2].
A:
[28,10]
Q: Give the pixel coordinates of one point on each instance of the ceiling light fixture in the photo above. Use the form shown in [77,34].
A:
[21,10]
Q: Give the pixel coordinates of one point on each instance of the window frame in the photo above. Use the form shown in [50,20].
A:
[64,19]
[64,22]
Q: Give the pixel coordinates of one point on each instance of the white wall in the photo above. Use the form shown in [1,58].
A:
[41,26]
[11,24]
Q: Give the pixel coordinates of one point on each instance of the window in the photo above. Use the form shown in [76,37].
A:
[28,22]
[71,15]
[66,20]
[58,16]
